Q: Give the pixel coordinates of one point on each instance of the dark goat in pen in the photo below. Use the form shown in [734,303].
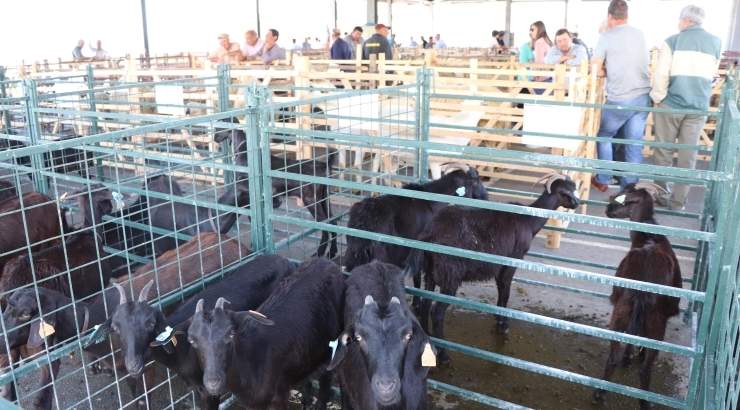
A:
[404,217]
[138,324]
[171,271]
[33,213]
[7,190]
[650,259]
[186,218]
[78,256]
[379,356]
[314,196]
[257,356]
[60,161]
[119,235]
[495,232]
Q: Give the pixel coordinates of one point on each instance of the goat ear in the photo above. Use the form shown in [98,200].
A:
[99,334]
[251,314]
[35,338]
[419,341]
[344,339]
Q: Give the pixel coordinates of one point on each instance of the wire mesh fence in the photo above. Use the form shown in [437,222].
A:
[130,189]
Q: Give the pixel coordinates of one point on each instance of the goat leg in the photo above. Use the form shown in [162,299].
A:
[44,399]
[8,391]
[438,319]
[325,392]
[646,374]
[629,354]
[307,394]
[426,304]
[503,283]
[611,364]
[416,301]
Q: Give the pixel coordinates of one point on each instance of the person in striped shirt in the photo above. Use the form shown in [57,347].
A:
[683,80]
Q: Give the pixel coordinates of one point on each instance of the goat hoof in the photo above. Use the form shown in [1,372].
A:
[599,395]
[503,327]
[443,358]
[646,405]
[627,361]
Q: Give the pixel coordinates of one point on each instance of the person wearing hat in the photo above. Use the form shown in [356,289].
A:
[378,43]
[226,51]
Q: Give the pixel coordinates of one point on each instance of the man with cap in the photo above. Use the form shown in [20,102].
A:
[226,51]
[378,43]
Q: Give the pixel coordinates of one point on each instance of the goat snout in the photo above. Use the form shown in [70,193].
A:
[385,388]
[134,365]
[214,384]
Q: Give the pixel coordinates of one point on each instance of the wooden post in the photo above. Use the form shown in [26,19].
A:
[473,75]
[373,69]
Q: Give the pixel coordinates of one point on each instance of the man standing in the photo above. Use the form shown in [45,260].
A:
[378,43]
[340,50]
[413,43]
[683,80]
[226,51]
[565,51]
[252,45]
[438,43]
[77,51]
[621,55]
[353,39]
[271,51]
[100,54]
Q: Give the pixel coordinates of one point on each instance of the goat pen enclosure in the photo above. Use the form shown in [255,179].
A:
[386,135]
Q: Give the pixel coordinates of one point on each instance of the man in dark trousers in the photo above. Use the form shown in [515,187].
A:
[378,43]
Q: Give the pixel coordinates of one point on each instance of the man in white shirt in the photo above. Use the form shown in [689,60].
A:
[226,51]
[100,54]
[438,43]
[252,46]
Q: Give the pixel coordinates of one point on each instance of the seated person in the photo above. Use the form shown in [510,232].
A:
[565,51]
[271,51]
[226,51]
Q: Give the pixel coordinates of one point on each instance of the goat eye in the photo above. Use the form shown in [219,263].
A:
[114,328]
[26,316]
[408,336]
[358,338]
[231,335]
[191,341]
[151,324]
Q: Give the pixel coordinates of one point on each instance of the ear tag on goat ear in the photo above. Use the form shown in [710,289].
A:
[45,330]
[333,345]
[174,341]
[575,194]
[165,335]
[460,191]
[118,197]
[95,332]
[428,359]
[620,199]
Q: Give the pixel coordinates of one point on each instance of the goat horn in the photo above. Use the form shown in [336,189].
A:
[122,293]
[220,303]
[369,300]
[145,292]
[652,188]
[395,300]
[199,307]
[456,165]
[551,177]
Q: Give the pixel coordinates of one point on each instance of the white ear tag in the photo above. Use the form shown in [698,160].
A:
[620,199]
[428,359]
[118,197]
[45,330]
[460,191]
[333,344]
[165,335]
[575,194]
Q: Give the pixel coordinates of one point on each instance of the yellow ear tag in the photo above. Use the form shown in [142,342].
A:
[620,199]
[46,330]
[174,341]
[258,314]
[428,359]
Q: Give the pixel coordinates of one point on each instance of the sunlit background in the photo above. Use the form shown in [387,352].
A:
[34,30]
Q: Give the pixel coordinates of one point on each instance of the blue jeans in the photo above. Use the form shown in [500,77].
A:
[634,129]
[539,91]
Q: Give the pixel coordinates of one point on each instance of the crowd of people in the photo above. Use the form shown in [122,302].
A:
[687,63]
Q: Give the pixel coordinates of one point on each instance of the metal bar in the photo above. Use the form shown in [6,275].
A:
[146,32]
[473,396]
[4,95]
[34,134]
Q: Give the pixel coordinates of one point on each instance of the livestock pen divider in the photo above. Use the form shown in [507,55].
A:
[372,141]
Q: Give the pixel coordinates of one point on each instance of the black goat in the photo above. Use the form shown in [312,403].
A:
[7,190]
[379,356]
[186,218]
[203,255]
[482,230]
[259,363]
[404,217]
[78,255]
[127,238]
[651,259]
[314,196]
[137,324]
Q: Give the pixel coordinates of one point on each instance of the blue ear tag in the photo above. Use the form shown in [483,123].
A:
[333,344]
[575,194]
[166,335]
[620,199]
[95,332]
[460,191]
[118,197]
